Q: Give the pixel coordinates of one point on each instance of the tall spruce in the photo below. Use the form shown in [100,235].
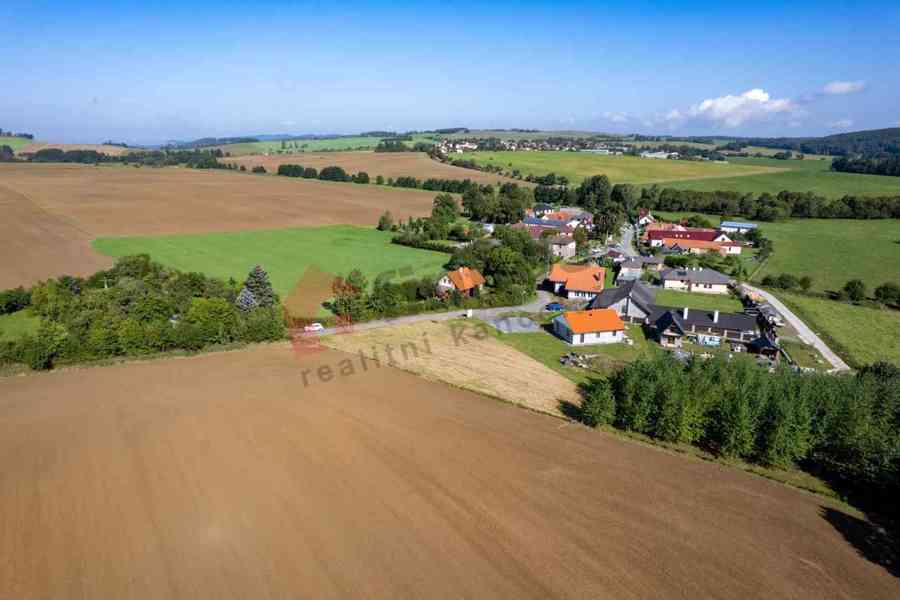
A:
[246,301]
[259,285]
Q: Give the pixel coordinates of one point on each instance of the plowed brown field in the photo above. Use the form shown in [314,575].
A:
[222,476]
[388,164]
[55,210]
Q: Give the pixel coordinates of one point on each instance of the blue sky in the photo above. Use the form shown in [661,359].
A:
[153,71]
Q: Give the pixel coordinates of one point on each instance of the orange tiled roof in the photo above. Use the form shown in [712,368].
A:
[669,242]
[559,272]
[465,278]
[587,281]
[590,321]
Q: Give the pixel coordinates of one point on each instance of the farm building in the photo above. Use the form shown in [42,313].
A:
[464,280]
[578,327]
[736,227]
[704,281]
[657,237]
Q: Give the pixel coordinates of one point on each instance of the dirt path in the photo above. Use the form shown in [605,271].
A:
[807,335]
[222,476]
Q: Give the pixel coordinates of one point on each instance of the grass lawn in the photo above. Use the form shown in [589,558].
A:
[284,253]
[798,176]
[804,355]
[674,298]
[859,334]
[547,348]
[17,324]
[620,169]
[831,251]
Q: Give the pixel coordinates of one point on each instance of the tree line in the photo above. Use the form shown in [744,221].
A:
[870,165]
[139,307]
[846,428]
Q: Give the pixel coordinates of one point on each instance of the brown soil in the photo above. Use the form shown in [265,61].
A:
[388,164]
[78,203]
[38,245]
[103,148]
[222,476]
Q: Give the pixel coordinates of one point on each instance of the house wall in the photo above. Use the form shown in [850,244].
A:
[672,284]
[564,251]
[576,295]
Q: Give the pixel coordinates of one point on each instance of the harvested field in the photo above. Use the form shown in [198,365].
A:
[388,164]
[472,359]
[102,148]
[39,244]
[221,476]
[53,211]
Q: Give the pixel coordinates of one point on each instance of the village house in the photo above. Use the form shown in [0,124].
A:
[633,301]
[579,327]
[657,237]
[672,326]
[464,280]
[577,282]
[630,269]
[699,279]
[645,218]
[563,246]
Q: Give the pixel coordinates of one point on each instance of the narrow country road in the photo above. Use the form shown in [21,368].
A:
[806,334]
[481,313]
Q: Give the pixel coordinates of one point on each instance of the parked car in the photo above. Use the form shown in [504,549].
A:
[554,306]
[314,328]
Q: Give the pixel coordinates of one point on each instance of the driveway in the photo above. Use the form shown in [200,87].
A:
[806,334]
[536,306]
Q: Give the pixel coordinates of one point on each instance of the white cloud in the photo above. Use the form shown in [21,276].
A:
[616,117]
[841,124]
[837,88]
[734,111]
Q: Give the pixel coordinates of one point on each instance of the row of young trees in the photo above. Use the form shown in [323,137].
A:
[845,427]
[140,307]
[330,173]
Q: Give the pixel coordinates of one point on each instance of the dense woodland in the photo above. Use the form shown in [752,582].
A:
[876,141]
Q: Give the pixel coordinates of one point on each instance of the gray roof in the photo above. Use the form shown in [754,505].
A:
[652,260]
[633,263]
[737,225]
[640,293]
[664,316]
[699,275]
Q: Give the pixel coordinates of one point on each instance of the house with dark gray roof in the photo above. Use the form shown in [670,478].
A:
[673,325]
[633,300]
[699,279]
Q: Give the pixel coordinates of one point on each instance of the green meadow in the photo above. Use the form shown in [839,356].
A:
[797,176]
[620,169]
[861,335]
[14,142]
[707,302]
[284,253]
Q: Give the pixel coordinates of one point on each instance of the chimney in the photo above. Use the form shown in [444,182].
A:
[715,316]
[684,313]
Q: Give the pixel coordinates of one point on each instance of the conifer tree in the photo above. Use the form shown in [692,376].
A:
[246,301]
[259,285]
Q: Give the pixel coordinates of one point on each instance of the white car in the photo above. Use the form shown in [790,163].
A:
[314,328]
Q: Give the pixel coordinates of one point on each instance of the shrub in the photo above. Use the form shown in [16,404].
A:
[599,405]
[258,284]
[333,173]
[261,325]
[14,300]
[310,173]
[259,169]
[386,221]
[855,290]
[888,293]
[214,318]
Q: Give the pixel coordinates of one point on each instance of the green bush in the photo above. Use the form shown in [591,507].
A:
[598,406]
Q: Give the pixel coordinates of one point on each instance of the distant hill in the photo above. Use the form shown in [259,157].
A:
[871,142]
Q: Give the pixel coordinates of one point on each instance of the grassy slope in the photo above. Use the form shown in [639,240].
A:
[860,335]
[17,324]
[284,253]
[724,303]
[801,176]
[620,169]
[14,142]
[831,251]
